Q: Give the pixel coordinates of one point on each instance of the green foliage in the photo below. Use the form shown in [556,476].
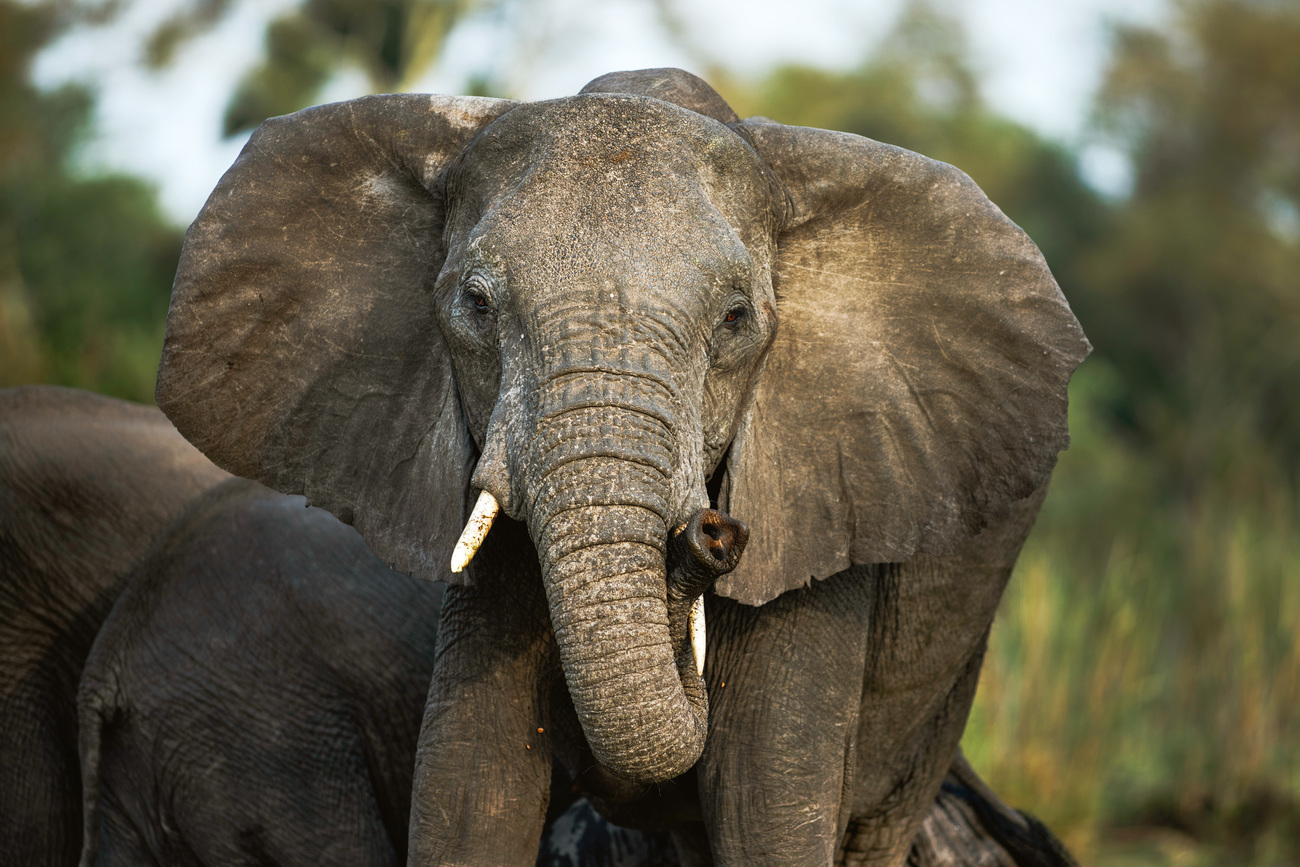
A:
[1194,293]
[1141,692]
[86,264]
[187,22]
[391,41]
[297,65]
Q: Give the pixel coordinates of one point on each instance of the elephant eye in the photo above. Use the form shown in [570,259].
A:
[478,296]
[734,315]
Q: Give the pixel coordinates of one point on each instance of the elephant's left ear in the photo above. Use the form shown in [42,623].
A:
[917,384]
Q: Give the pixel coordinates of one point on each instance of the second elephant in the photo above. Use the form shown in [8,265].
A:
[254,696]
[86,482]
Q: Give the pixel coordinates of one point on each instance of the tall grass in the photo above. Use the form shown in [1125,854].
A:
[1141,691]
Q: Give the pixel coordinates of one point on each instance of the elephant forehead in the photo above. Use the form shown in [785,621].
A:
[600,155]
[612,238]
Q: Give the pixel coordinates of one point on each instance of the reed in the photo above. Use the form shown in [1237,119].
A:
[1141,691]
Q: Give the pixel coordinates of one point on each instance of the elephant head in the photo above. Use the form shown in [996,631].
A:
[588,306]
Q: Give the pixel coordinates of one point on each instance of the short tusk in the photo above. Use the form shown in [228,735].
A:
[697,634]
[476,530]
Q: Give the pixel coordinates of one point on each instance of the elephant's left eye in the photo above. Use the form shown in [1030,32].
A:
[476,294]
[734,315]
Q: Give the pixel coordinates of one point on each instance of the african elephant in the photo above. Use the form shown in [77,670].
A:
[85,483]
[255,694]
[602,315]
[254,698]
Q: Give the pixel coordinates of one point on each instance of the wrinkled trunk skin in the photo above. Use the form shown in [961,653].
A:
[599,521]
[483,765]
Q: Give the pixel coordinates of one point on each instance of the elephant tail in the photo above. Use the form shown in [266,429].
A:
[96,705]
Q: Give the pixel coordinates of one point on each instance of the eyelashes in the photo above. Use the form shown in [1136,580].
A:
[477,293]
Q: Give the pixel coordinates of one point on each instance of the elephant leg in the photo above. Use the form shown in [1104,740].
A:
[837,708]
[483,766]
[901,768]
[40,803]
[785,683]
[930,625]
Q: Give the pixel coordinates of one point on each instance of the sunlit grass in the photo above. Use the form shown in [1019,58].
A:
[1141,692]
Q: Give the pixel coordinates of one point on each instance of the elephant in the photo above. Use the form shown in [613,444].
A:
[794,384]
[255,693]
[85,483]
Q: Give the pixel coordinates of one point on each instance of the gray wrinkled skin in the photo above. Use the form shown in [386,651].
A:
[255,694]
[257,688]
[86,482]
[609,310]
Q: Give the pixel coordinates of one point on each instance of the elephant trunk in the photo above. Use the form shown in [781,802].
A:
[599,522]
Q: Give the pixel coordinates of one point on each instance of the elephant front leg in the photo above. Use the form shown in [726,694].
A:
[930,624]
[483,768]
[785,684]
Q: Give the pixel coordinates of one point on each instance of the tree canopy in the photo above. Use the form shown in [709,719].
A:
[86,263]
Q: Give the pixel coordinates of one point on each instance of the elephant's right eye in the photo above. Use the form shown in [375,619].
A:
[479,302]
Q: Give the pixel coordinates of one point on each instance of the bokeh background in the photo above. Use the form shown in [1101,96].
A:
[1141,692]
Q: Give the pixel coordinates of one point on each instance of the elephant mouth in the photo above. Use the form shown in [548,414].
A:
[700,552]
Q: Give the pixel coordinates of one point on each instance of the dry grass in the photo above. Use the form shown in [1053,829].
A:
[1141,692]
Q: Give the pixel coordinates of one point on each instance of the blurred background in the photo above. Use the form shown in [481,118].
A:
[1141,692]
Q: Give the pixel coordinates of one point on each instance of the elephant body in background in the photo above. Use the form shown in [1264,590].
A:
[807,384]
[86,482]
[255,694]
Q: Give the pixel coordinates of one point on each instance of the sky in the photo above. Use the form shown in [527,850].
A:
[1039,61]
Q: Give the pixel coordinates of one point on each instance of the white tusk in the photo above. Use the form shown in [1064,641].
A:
[697,634]
[476,530]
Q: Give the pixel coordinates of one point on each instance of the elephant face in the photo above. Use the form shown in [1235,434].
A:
[628,266]
[605,308]
[579,306]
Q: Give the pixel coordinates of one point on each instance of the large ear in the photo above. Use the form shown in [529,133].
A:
[917,384]
[302,349]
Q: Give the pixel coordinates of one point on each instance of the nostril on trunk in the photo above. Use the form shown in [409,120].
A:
[713,542]
[720,534]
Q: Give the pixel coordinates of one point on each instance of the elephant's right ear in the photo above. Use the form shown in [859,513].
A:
[302,349]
